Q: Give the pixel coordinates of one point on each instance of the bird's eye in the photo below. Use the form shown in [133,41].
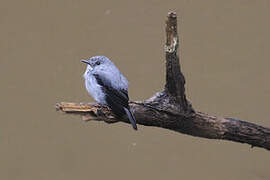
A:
[97,63]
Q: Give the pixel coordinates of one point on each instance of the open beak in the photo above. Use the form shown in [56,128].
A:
[85,61]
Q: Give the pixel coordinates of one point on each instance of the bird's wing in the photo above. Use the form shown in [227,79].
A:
[116,99]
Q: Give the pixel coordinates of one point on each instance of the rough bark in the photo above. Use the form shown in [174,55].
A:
[171,110]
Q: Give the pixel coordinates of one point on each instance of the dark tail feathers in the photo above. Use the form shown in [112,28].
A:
[131,118]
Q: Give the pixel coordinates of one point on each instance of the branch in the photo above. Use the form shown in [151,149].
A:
[175,81]
[171,110]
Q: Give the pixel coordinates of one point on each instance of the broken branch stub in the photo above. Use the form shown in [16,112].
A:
[175,80]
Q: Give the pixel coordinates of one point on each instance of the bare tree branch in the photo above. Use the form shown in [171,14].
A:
[171,110]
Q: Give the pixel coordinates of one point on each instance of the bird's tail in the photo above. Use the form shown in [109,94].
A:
[131,118]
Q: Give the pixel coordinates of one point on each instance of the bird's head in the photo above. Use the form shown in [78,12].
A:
[97,62]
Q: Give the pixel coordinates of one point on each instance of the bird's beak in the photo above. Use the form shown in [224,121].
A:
[85,61]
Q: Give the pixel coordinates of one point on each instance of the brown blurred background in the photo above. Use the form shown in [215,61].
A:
[225,58]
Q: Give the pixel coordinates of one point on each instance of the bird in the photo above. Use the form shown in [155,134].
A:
[108,86]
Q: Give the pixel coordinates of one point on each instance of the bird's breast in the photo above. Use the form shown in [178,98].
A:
[94,89]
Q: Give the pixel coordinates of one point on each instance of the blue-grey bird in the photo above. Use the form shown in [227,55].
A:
[108,86]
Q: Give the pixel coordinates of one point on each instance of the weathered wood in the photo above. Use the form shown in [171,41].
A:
[175,80]
[171,110]
[195,124]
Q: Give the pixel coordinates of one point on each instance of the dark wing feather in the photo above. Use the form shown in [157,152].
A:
[117,100]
